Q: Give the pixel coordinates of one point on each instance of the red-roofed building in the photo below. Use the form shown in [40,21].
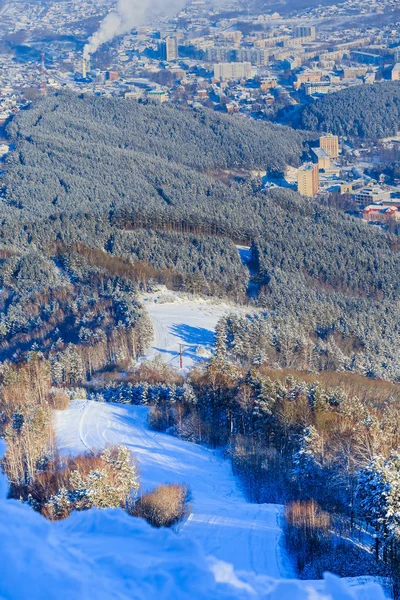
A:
[376,213]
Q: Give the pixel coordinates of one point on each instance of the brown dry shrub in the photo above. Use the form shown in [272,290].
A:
[307,516]
[56,476]
[165,506]
[58,399]
[155,372]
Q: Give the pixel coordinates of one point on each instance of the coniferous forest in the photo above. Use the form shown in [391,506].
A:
[366,112]
[99,191]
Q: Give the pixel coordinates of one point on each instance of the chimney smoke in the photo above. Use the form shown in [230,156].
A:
[127,15]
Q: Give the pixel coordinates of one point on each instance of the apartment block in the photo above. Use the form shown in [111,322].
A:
[330,143]
[308,180]
[235,70]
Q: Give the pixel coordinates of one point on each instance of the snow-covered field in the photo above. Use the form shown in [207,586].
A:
[226,526]
[180,319]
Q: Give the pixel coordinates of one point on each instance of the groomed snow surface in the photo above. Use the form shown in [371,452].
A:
[225,525]
[107,555]
[228,548]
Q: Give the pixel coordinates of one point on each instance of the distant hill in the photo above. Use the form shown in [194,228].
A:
[364,111]
[97,154]
[285,7]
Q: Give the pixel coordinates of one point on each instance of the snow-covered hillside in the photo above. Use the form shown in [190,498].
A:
[104,554]
[228,548]
[107,555]
[226,526]
[181,319]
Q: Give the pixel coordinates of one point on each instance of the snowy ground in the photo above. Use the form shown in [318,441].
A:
[107,555]
[125,558]
[228,549]
[226,526]
[182,319]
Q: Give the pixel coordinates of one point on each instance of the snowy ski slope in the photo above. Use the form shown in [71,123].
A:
[108,555]
[226,526]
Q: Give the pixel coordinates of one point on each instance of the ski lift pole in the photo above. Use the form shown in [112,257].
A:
[180,356]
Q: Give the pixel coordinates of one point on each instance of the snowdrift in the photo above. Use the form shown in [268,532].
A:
[106,554]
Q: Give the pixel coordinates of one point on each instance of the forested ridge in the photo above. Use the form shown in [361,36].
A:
[364,111]
[75,153]
[120,195]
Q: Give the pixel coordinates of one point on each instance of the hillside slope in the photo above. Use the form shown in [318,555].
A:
[222,521]
[86,153]
[108,189]
[102,554]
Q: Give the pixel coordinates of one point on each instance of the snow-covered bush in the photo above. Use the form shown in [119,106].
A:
[103,480]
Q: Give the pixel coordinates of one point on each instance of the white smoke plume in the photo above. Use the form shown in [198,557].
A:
[127,15]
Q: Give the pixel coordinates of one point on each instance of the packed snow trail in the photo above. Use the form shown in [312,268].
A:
[222,521]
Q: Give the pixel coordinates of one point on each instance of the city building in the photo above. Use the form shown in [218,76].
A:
[158,96]
[219,54]
[168,49]
[112,75]
[330,143]
[396,72]
[346,188]
[322,158]
[255,56]
[305,31]
[323,87]
[371,195]
[235,70]
[354,72]
[267,83]
[308,180]
[366,58]
[380,214]
[307,76]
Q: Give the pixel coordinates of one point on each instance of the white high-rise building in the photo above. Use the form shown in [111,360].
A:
[234,70]
[169,48]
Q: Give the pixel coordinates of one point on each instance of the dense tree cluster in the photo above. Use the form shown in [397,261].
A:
[102,480]
[55,305]
[95,154]
[208,264]
[364,111]
[132,193]
[26,402]
[331,293]
[291,338]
